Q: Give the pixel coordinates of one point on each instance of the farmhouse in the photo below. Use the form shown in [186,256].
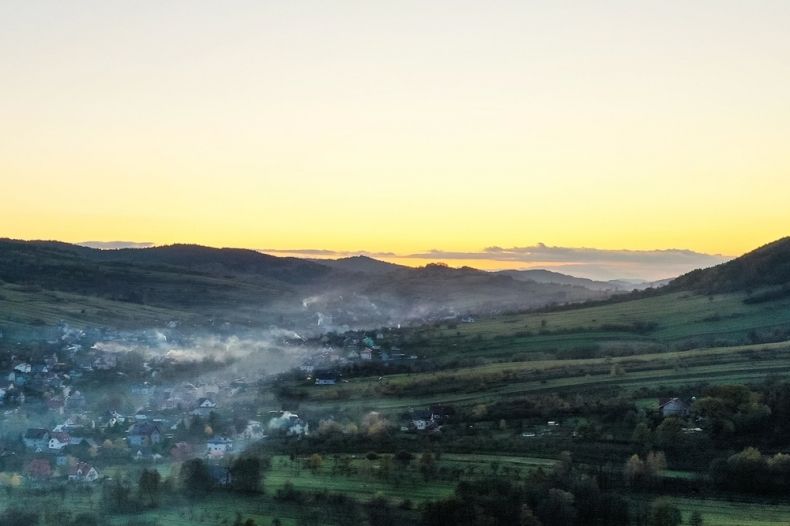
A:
[673,407]
[253,431]
[218,446]
[422,420]
[36,439]
[206,403]
[325,378]
[58,441]
[144,434]
[83,472]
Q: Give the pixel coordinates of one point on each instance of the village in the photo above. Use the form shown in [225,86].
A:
[74,407]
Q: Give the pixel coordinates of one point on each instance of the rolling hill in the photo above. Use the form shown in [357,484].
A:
[767,266]
[42,282]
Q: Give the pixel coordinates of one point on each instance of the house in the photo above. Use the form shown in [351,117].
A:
[58,441]
[253,431]
[218,446]
[325,378]
[111,418]
[143,453]
[23,368]
[206,403]
[204,407]
[673,407]
[366,354]
[143,434]
[421,420]
[36,439]
[83,472]
[39,469]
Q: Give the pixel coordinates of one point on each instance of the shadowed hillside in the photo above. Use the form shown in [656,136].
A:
[766,266]
[245,286]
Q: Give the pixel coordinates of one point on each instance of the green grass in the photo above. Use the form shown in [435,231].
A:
[487,383]
[733,513]
[678,317]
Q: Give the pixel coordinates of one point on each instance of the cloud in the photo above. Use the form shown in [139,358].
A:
[594,263]
[590,262]
[324,253]
[113,245]
[545,253]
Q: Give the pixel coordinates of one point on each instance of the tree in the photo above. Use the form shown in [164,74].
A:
[427,465]
[669,432]
[404,458]
[314,463]
[149,486]
[663,513]
[17,517]
[634,470]
[655,463]
[557,508]
[642,434]
[380,512]
[195,477]
[245,475]
[527,517]
[696,519]
[84,519]
[116,496]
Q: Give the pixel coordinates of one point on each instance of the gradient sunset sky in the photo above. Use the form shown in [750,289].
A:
[397,126]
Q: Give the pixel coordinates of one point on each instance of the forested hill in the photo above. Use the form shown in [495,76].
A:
[221,284]
[767,266]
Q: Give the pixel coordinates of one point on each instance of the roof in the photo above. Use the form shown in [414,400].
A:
[144,428]
[61,437]
[665,401]
[81,468]
[36,433]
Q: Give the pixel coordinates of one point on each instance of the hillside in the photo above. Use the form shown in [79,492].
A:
[767,266]
[548,276]
[43,282]
[362,264]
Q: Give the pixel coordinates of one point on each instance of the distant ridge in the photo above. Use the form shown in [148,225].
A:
[113,245]
[360,263]
[548,276]
[241,284]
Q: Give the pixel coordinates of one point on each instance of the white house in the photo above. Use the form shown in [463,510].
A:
[253,431]
[58,441]
[83,472]
[218,446]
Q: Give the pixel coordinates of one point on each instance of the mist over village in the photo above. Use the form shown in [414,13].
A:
[363,263]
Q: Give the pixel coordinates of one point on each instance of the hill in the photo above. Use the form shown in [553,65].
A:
[547,276]
[767,266]
[43,282]
[363,264]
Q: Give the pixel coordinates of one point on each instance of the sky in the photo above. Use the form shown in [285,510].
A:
[430,128]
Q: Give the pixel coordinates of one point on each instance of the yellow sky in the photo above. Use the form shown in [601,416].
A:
[397,126]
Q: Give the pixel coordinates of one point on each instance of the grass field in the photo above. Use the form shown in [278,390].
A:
[498,381]
[363,484]
[732,513]
[665,321]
